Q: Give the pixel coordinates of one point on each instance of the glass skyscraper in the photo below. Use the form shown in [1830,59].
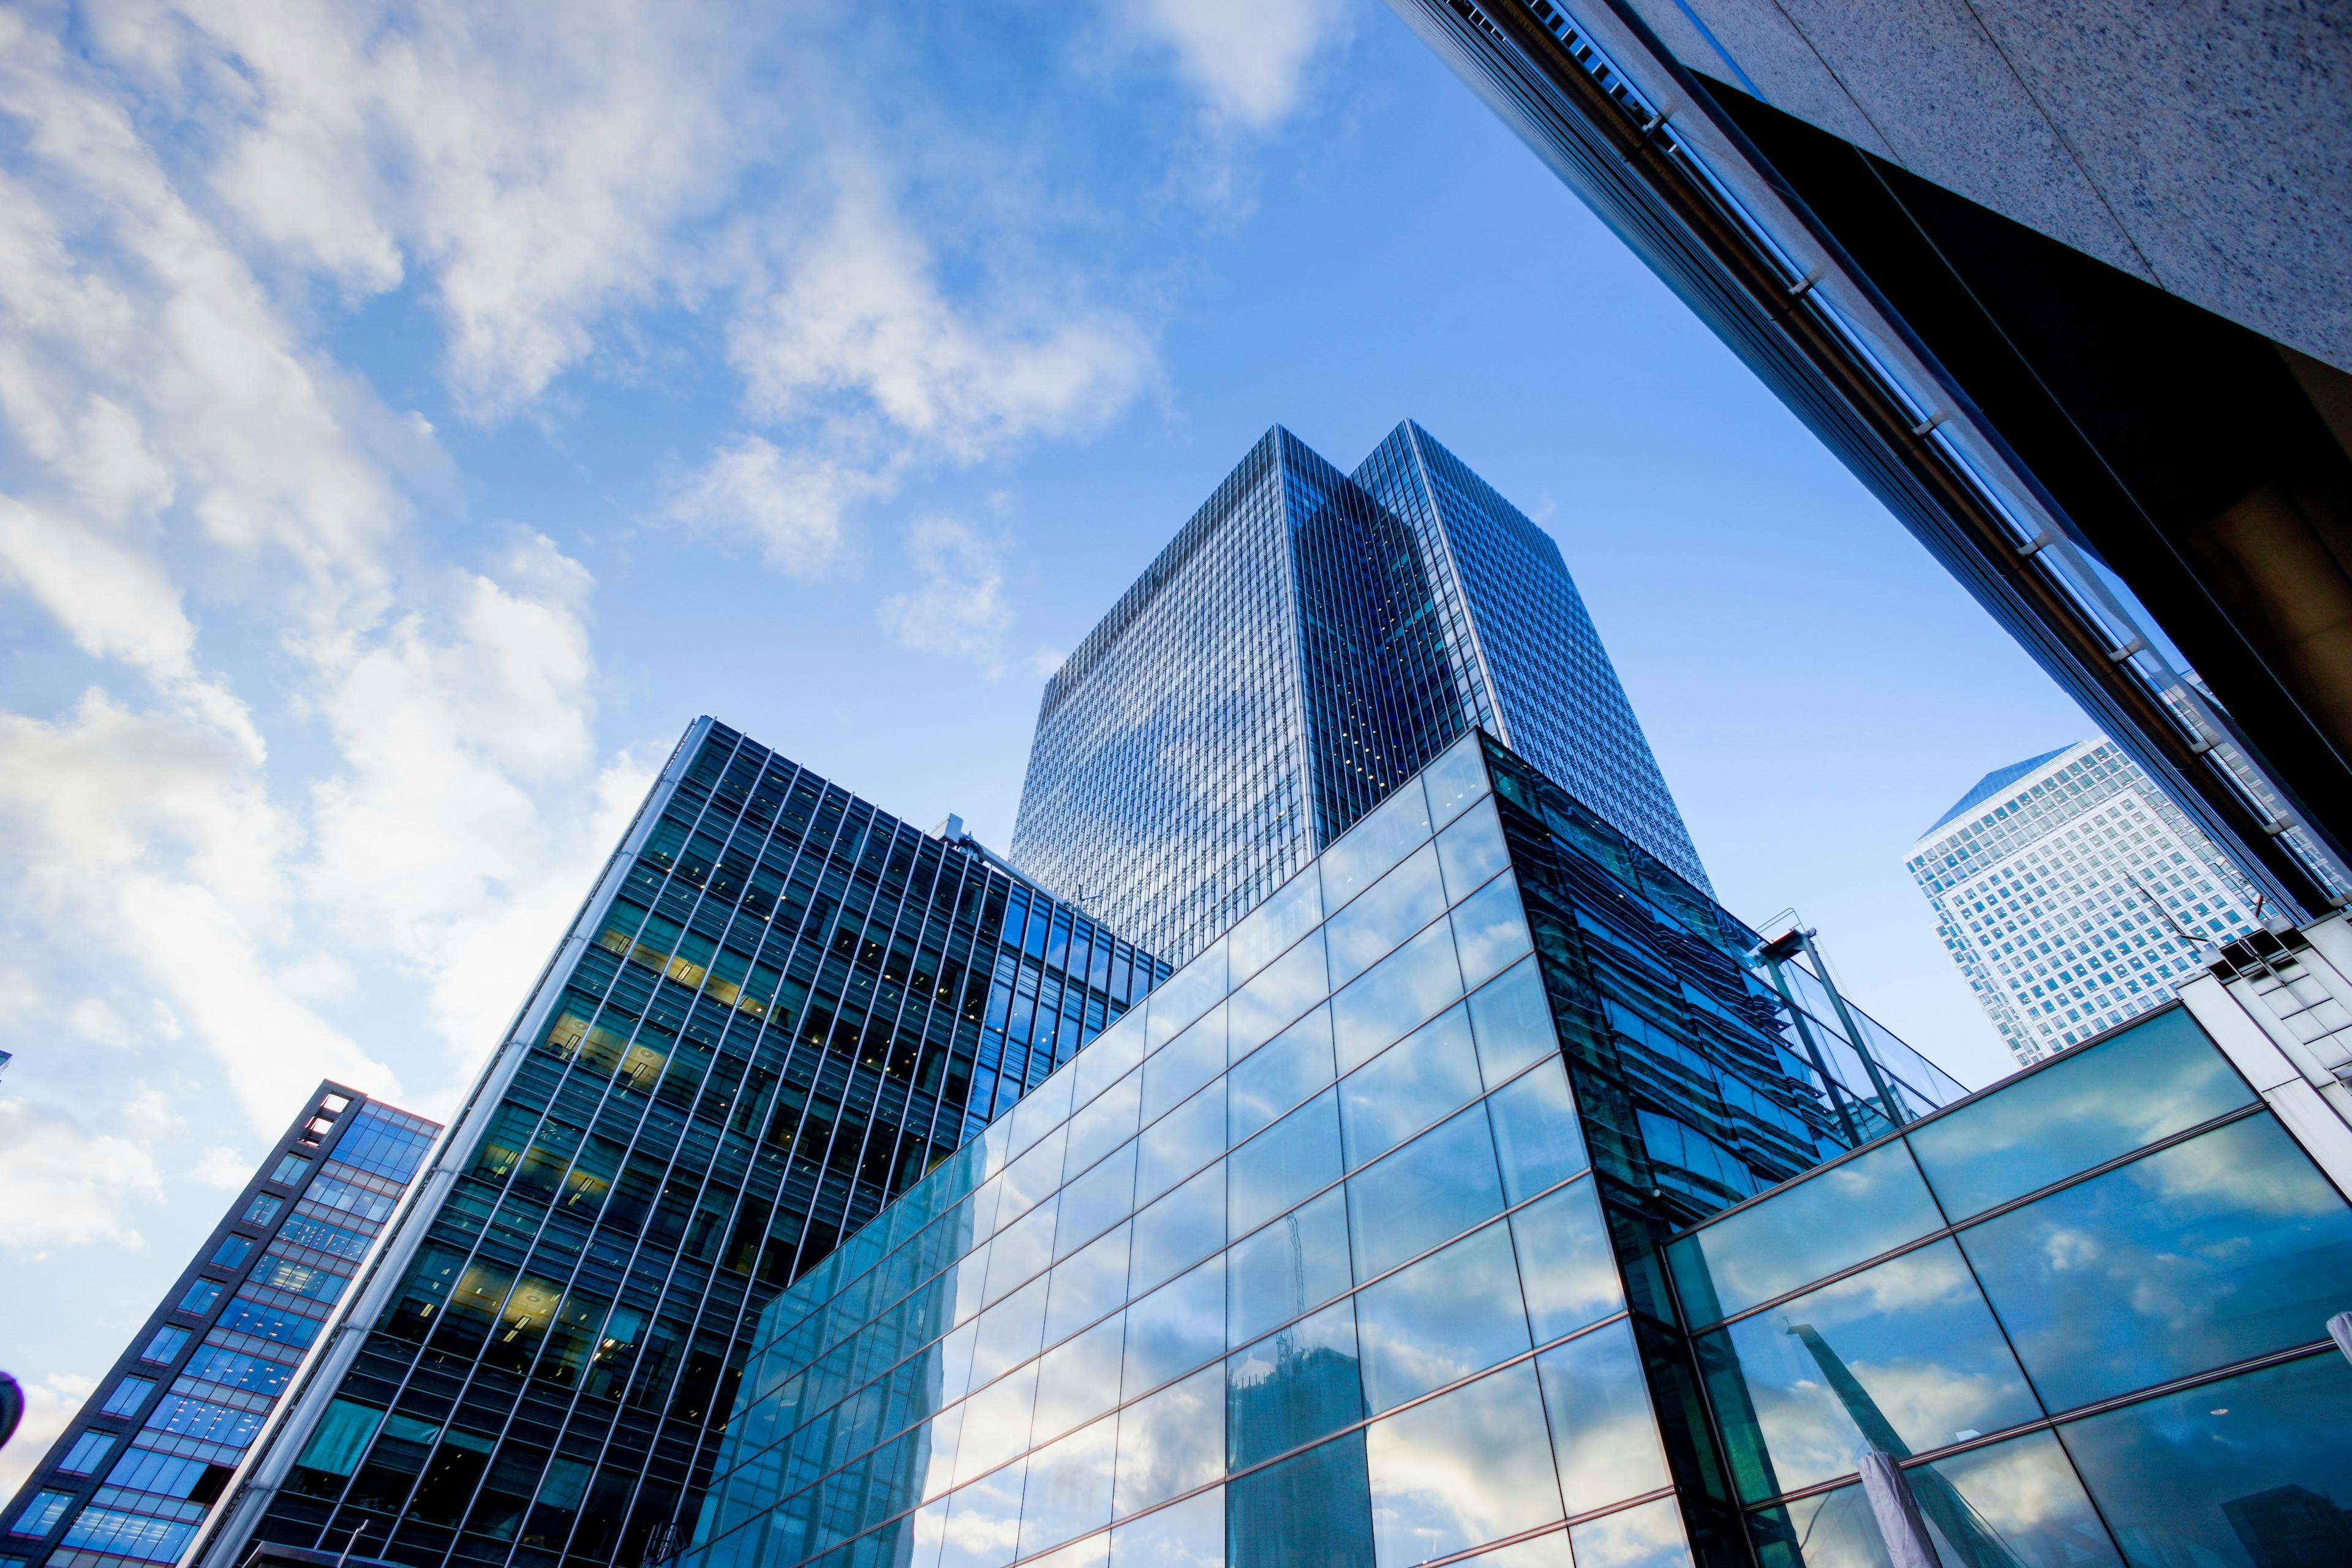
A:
[2075,895]
[149,1454]
[778,1007]
[1345,1248]
[1308,640]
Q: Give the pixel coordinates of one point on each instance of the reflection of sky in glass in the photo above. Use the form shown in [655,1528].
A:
[1827,1222]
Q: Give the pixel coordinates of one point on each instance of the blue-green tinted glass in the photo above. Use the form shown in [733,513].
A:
[1453,1313]
[1010,1332]
[1280,1167]
[1394,995]
[1185,995]
[2148,1082]
[1298,1261]
[1078,1379]
[1512,1019]
[1903,1357]
[1490,929]
[1097,1201]
[1536,1132]
[2021,1498]
[1274,924]
[1261,1009]
[1565,1268]
[1421,1079]
[1602,1435]
[1289,1069]
[1109,1121]
[983,1521]
[1388,834]
[1824,1223]
[1455,779]
[2250,1472]
[1648,1536]
[1472,850]
[1314,1510]
[1172,1442]
[1293,1387]
[1181,1142]
[1176,1327]
[1438,1185]
[2205,1253]
[1069,1490]
[1462,1470]
[1087,1285]
[1391,910]
[1184,1065]
[1189,1535]
[1179,1230]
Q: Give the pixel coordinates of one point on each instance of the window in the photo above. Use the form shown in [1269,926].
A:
[201,1298]
[88,1452]
[129,1395]
[232,1251]
[291,1171]
[41,1515]
[263,1209]
[164,1345]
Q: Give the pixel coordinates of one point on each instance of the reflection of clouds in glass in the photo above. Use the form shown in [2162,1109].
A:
[1173,1441]
[1079,1380]
[1069,1487]
[983,1523]
[1191,1534]
[2024,1495]
[1812,1439]
[1564,1262]
[996,1423]
[2250,1173]
[1094,1552]
[1465,1468]
[1453,1313]
[1650,1536]
[1602,1435]
[1826,1221]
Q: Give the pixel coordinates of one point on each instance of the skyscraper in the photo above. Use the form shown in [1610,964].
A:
[148,1455]
[2075,895]
[1307,641]
[2075,313]
[777,1008]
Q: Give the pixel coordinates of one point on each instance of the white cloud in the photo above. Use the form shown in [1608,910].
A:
[1248,58]
[223,1168]
[959,607]
[95,1020]
[51,1405]
[66,1185]
[790,505]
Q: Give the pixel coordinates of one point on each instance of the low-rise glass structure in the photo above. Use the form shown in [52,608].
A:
[1344,1247]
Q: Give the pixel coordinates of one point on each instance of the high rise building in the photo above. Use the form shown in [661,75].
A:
[2075,895]
[778,1007]
[2075,313]
[146,1459]
[1344,1249]
[1307,641]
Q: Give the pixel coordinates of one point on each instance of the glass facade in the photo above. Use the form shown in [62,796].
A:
[2085,1312]
[1328,1253]
[1309,640]
[147,1458]
[779,1008]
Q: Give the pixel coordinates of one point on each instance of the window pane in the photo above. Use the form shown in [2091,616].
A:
[1292,1264]
[1536,1132]
[1189,1535]
[1437,1186]
[2148,1082]
[1108,1057]
[1260,1009]
[1175,1328]
[1293,1387]
[1278,1169]
[1185,995]
[1021,1251]
[1512,1018]
[983,1521]
[1490,929]
[1190,1060]
[1421,1079]
[1274,924]
[1901,1356]
[1181,1142]
[1388,833]
[1079,1381]
[1566,1267]
[2208,1252]
[1068,1492]
[1270,1082]
[1394,997]
[1179,1230]
[1453,1313]
[1097,1201]
[1650,1536]
[1010,1332]
[1455,779]
[1825,1223]
[1602,1430]
[1313,1511]
[1172,1442]
[1109,1121]
[1391,910]
[1462,1470]
[88,1452]
[2020,1499]
[996,1428]
[2245,1473]
[1088,1285]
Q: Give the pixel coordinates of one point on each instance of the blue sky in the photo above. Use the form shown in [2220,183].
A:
[411,417]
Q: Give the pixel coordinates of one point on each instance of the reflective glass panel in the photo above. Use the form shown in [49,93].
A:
[1512,1018]
[1388,833]
[1602,1431]
[1109,1121]
[1472,850]
[1536,1132]
[1541,1551]
[1185,995]
[1462,1470]
[1419,1079]
[1010,1331]
[1178,1326]
[1281,1166]
[1438,1185]
[1391,910]
[1179,1230]
[1188,1062]
[1189,1535]
[1086,1286]
[1172,1442]
[2250,1472]
[1068,1490]
[1095,1201]
[1078,1380]
[1293,1387]
[996,1427]
[1108,1057]
[1453,1313]
[983,1521]
[1394,997]
[1288,1069]
[1181,1142]
[1262,1008]
[1825,1223]
[1455,779]
[2148,1082]
[1490,929]
[1649,1536]
[1267,931]
[1565,1268]
[2205,1253]
[1902,1357]
[1023,1250]
[1297,1261]
[1312,1511]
